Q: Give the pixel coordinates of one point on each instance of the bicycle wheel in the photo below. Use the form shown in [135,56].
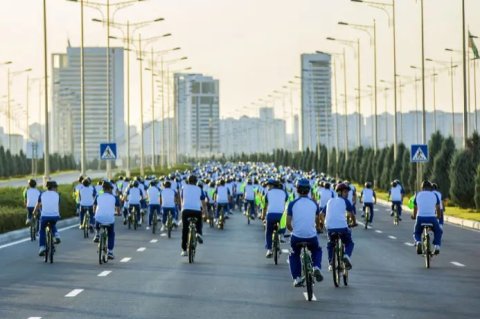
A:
[47,242]
[154,223]
[135,221]
[211,218]
[105,246]
[345,270]
[275,246]
[248,214]
[101,245]
[367,216]
[336,265]
[51,247]
[426,247]
[85,223]
[221,219]
[33,230]
[395,215]
[191,246]
[307,270]
[129,220]
[169,225]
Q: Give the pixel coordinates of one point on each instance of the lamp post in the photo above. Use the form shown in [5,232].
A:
[366,28]
[10,76]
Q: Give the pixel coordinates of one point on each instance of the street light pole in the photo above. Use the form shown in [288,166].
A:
[424,123]
[83,166]
[142,171]
[46,158]
[465,105]
[345,93]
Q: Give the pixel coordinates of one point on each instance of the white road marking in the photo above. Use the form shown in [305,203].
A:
[141,249]
[104,273]
[285,251]
[392,237]
[153,240]
[378,231]
[163,235]
[28,239]
[409,244]
[74,293]
[34,317]
[456,263]
[288,261]
[306,296]
[125,260]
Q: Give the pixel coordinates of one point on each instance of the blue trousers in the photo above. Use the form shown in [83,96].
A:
[252,207]
[43,225]
[399,205]
[30,212]
[225,209]
[345,236]
[151,209]
[84,209]
[371,210]
[272,219]
[111,234]
[437,230]
[172,211]
[294,258]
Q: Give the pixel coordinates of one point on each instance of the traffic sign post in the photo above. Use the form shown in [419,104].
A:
[108,151]
[419,153]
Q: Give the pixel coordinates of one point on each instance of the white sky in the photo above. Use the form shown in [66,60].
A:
[252,46]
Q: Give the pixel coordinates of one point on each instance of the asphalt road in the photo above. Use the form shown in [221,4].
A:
[61,178]
[232,279]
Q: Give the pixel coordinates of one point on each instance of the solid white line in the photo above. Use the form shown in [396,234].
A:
[141,249]
[409,244]
[306,296]
[285,251]
[28,239]
[456,263]
[74,293]
[104,273]
[125,260]
[378,231]
[34,317]
[153,240]
[392,237]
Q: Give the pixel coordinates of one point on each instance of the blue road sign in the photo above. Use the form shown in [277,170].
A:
[419,153]
[108,151]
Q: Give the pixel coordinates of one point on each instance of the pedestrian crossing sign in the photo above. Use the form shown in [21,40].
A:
[108,151]
[419,153]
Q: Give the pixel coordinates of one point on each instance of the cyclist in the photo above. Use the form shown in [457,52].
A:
[426,210]
[396,194]
[193,202]
[368,198]
[210,199]
[250,198]
[31,195]
[76,191]
[222,197]
[275,200]
[87,195]
[49,206]
[336,222]
[168,201]
[325,195]
[303,219]
[143,200]
[352,196]
[442,208]
[134,195]
[153,196]
[239,191]
[105,206]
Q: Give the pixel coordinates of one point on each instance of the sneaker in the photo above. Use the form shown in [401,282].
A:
[269,254]
[183,253]
[317,274]
[348,263]
[92,230]
[162,228]
[28,221]
[391,214]
[57,240]
[110,255]
[124,221]
[96,239]
[419,248]
[330,268]
[437,250]
[42,250]
[399,218]
[363,215]
[147,228]
[298,282]
[175,223]
[199,239]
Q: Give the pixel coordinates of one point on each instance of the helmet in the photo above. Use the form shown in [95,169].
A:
[341,187]
[32,183]
[86,182]
[326,185]
[167,184]
[303,186]
[368,185]
[51,184]
[135,184]
[271,181]
[434,186]
[212,184]
[153,182]
[107,186]
[394,183]
[426,185]
[80,178]
[192,179]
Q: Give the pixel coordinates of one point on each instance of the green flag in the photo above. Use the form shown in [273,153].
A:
[472,45]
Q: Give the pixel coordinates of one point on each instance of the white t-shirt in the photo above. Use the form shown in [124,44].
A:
[222,194]
[50,204]
[134,195]
[192,197]
[105,208]
[396,193]
[276,199]
[249,192]
[87,195]
[426,202]
[168,198]
[304,212]
[32,195]
[439,195]
[153,194]
[368,194]
[335,214]
[325,196]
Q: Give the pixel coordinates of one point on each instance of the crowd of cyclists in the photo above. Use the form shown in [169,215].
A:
[301,204]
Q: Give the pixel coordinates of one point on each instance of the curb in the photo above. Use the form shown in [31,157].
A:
[464,223]
[25,232]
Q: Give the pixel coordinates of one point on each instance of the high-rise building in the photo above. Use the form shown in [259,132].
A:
[316,108]
[65,115]
[197,115]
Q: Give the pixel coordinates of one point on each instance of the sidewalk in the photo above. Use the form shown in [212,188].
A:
[464,223]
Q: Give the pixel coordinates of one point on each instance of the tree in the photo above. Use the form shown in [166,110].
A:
[378,167]
[396,171]
[441,166]
[473,145]
[332,163]
[2,162]
[357,165]
[462,177]
[477,189]
[434,146]
[341,163]
[387,167]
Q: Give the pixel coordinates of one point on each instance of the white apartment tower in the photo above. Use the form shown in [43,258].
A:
[316,108]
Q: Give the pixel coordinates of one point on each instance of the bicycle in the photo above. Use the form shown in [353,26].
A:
[102,245]
[367,216]
[338,265]
[49,242]
[275,243]
[211,215]
[307,268]
[86,223]
[395,214]
[426,243]
[248,213]
[132,218]
[169,224]
[34,227]
[221,218]
[192,239]
[154,222]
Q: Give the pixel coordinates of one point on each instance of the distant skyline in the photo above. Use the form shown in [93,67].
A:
[253,47]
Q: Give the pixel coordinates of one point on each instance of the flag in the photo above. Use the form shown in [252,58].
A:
[472,45]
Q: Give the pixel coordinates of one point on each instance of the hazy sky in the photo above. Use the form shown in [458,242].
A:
[252,46]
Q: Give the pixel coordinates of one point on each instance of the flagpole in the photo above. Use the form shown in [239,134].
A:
[465,118]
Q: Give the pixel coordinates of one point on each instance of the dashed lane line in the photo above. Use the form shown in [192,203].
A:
[34,317]
[409,244]
[28,239]
[306,296]
[141,249]
[125,260]
[285,251]
[154,241]
[456,263]
[104,273]
[392,237]
[74,293]
[378,231]
[163,235]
